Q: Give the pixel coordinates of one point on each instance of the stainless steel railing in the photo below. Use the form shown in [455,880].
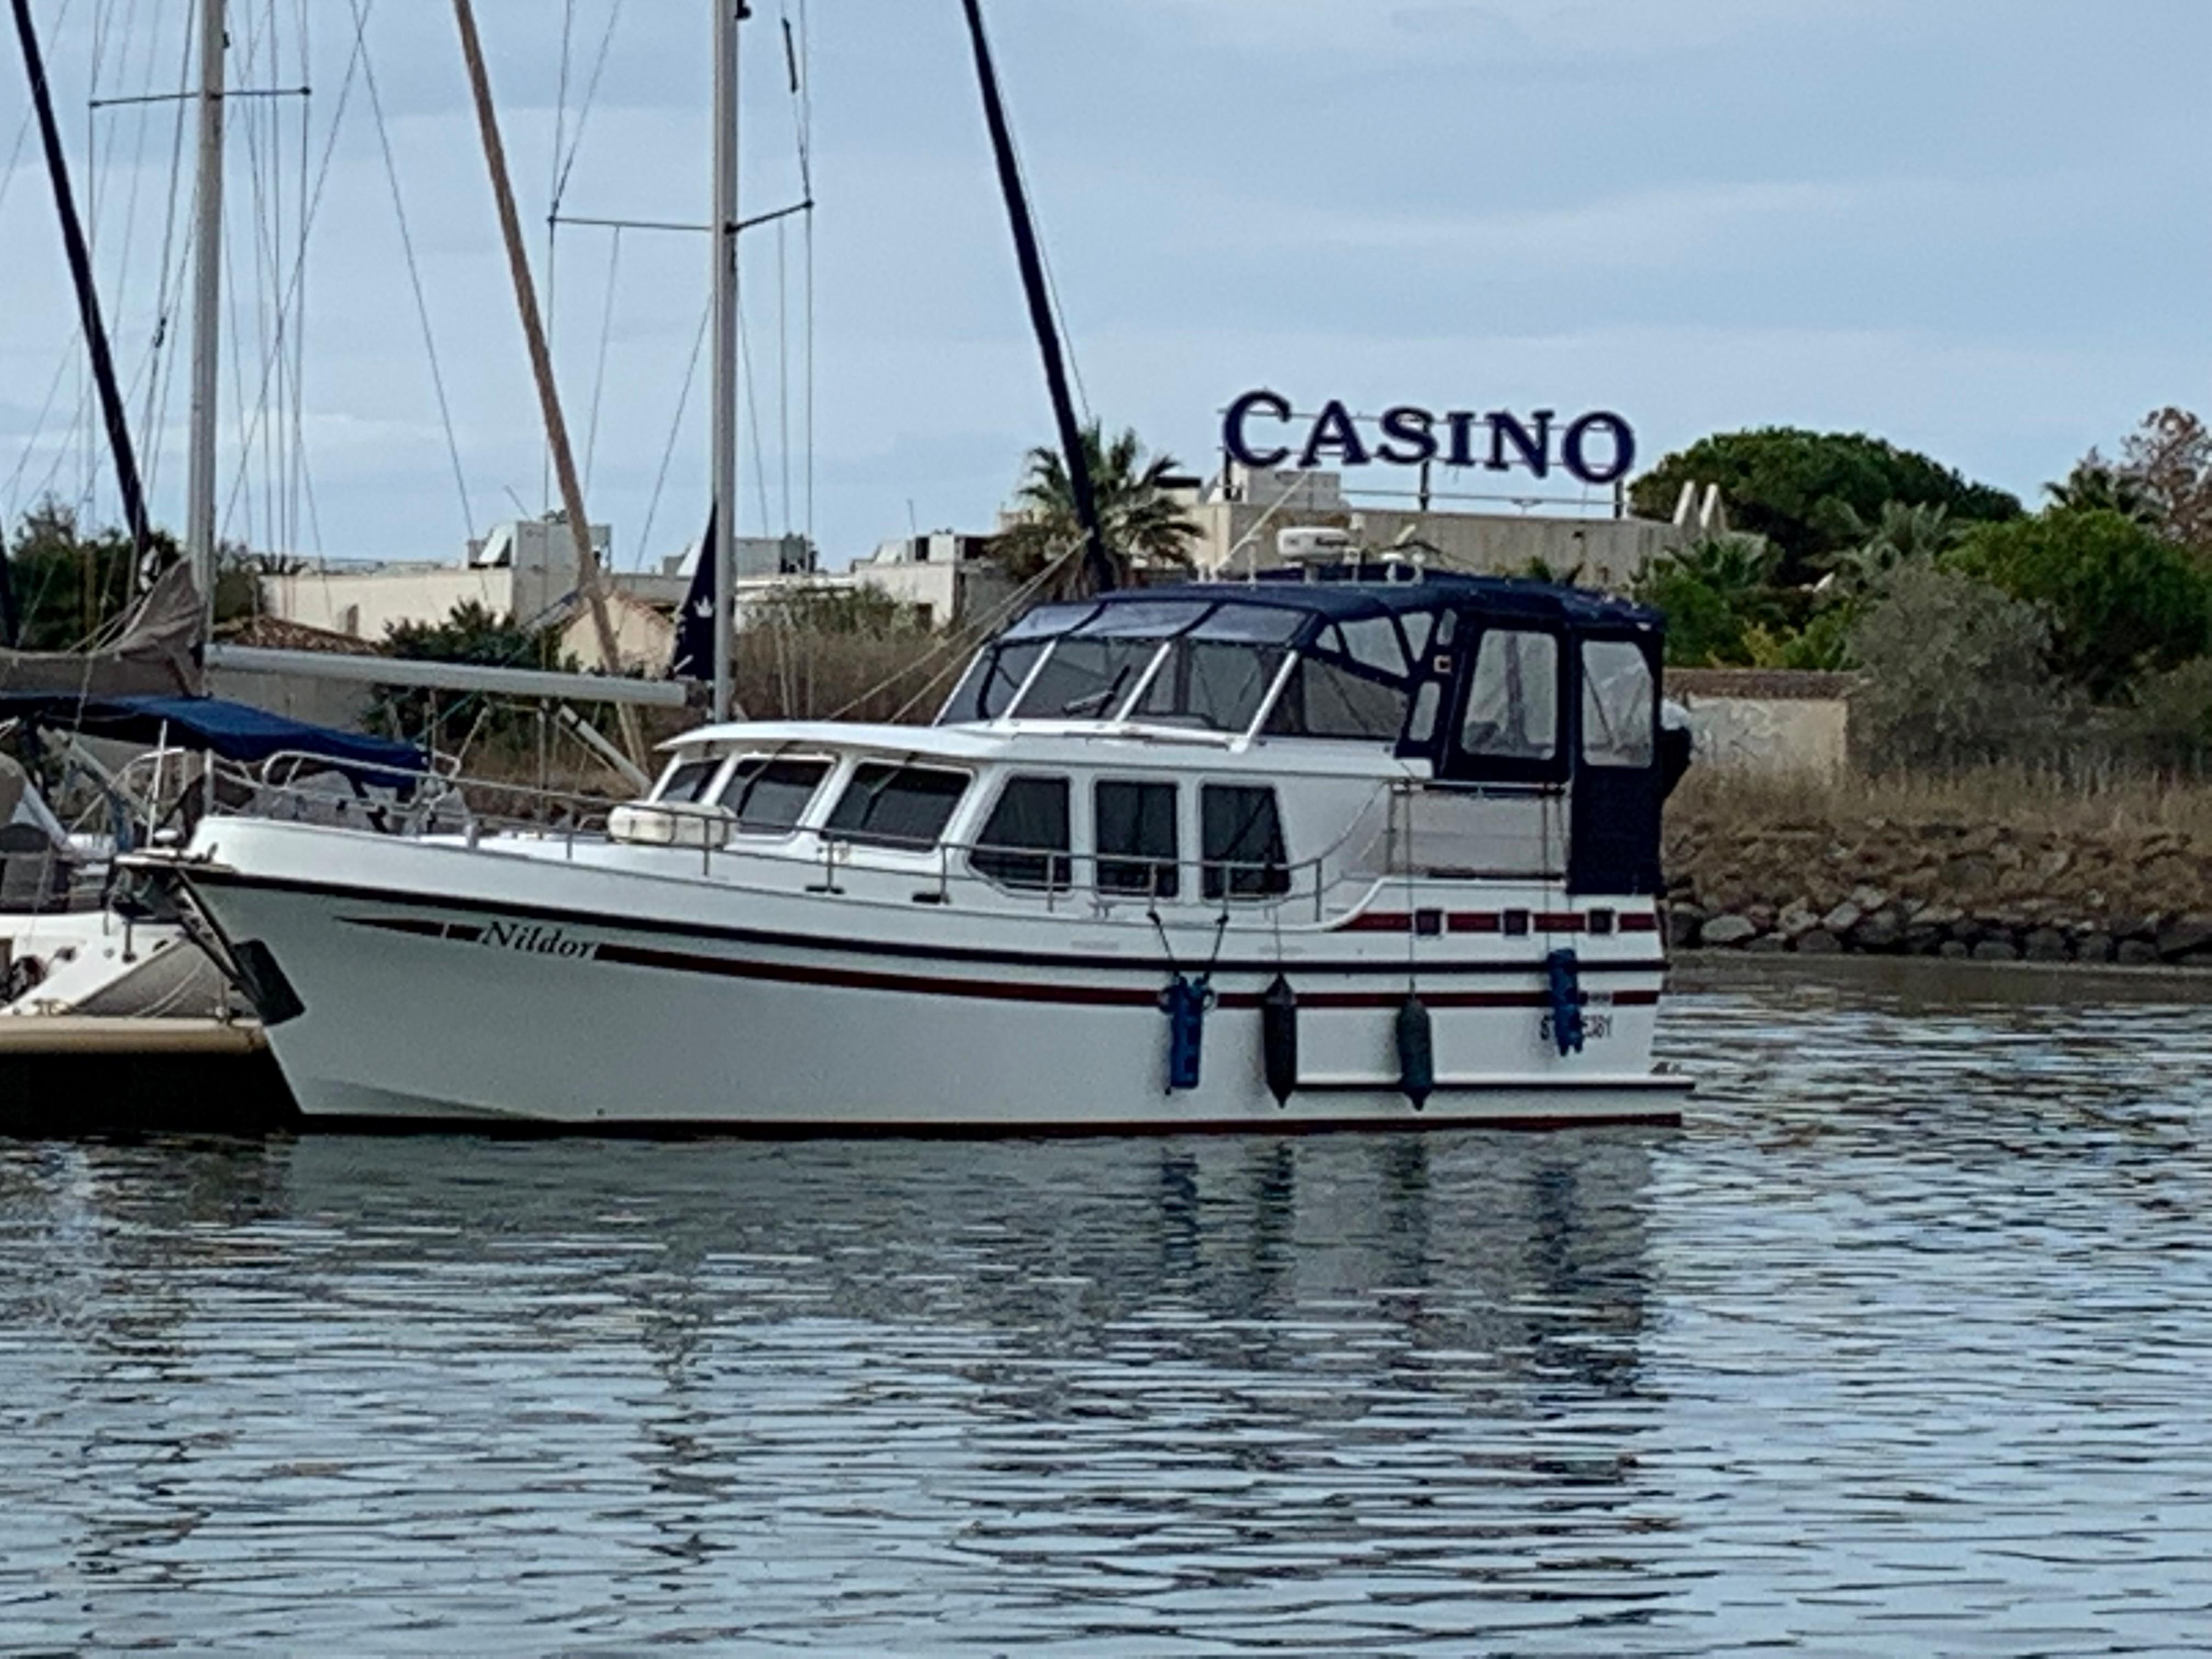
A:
[1374,851]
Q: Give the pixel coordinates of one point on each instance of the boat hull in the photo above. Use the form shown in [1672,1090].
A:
[442,1006]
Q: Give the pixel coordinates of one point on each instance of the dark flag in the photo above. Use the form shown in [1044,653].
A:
[10,628]
[695,624]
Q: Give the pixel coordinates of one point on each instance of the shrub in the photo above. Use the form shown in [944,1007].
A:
[2173,719]
[1955,675]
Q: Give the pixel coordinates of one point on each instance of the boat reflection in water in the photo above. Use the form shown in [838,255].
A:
[828,1389]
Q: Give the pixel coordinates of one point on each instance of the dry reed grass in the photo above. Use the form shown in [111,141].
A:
[781,674]
[2014,797]
[795,674]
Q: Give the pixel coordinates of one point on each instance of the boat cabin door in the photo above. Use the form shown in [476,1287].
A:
[1613,842]
[1504,752]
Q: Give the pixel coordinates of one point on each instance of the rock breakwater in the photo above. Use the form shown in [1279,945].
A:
[1989,892]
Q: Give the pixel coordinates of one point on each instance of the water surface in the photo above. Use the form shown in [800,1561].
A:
[1903,1345]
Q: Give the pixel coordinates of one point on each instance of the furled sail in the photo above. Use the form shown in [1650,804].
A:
[157,653]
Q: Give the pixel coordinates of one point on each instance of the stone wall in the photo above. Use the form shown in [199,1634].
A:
[1988,891]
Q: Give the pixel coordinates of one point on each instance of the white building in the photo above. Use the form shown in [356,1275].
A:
[948,576]
[525,570]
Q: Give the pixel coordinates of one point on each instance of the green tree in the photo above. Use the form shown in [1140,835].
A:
[1140,520]
[1813,494]
[1955,674]
[2121,599]
[472,633]
[71,584]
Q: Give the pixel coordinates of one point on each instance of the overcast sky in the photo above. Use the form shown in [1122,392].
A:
[1979,227]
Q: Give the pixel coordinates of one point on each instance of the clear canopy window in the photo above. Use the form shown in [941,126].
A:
[1325,698]
[988,689]
[896,805]
[1222,657]
[1215,684]
[1617,704]
[1513,701]
[1085,679]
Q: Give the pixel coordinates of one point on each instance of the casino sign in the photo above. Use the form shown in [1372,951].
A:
[1261,430]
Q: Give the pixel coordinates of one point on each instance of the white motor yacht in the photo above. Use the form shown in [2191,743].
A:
[1267,855]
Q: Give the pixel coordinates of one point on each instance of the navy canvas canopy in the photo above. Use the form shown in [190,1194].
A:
[1349,595]
[235,731]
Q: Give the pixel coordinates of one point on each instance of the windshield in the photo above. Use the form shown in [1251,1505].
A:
[1095,661]
[1086,679]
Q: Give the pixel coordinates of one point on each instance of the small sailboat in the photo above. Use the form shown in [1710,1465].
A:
[73,941]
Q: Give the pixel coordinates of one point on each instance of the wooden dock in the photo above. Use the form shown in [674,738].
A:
[66,1074]
[43,1035]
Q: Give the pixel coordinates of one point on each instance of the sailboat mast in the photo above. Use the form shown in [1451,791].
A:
[590,584]
[724,519]
[88,302]
[207,300]
[1097,562]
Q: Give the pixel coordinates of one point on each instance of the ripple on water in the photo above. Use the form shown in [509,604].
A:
[1900,1346]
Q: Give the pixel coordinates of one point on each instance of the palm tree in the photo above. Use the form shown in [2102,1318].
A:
[1141,522]
[2095,485]
[1907,532]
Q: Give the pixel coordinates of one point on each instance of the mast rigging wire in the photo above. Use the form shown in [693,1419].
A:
[357,67]
[414,268]
[599,373]
[676,425]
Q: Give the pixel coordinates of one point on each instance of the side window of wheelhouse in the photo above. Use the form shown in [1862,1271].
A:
[1242,835]
[896,806]
[1513,699]
[1617,704]
[1135,832]
[1025,842]
[766,796]
[687,780]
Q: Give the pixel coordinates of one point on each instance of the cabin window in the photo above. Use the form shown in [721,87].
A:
[1513,701]
[767,795]
[1025,842]
[1135,826]
[687,780]
[1242,842]
[896,805]
[1617,704]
